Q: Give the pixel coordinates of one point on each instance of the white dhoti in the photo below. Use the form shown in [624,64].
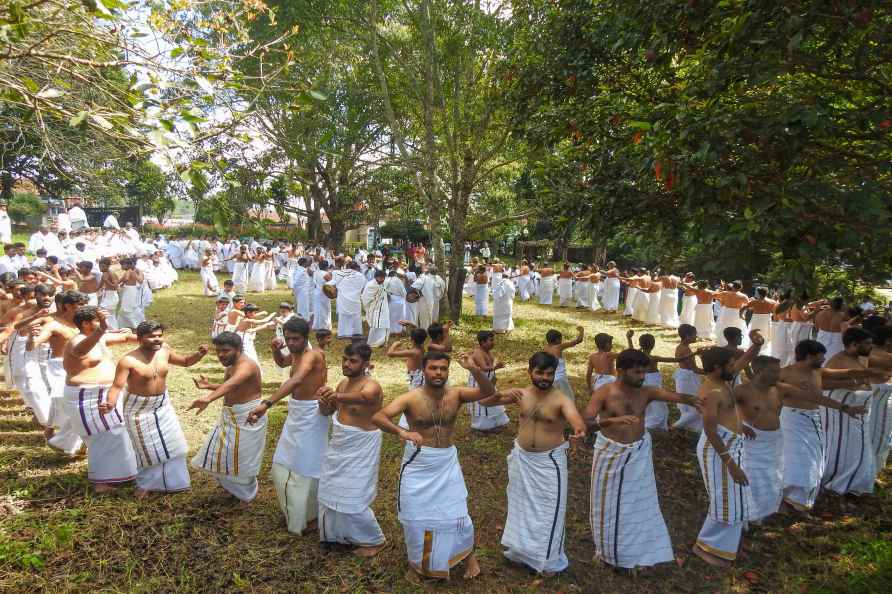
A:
[110,457]
[594,301]
[349,325]
[158,442]
[642,306]
[631,297]
[233,450]
[321,310]
[803,435]
[565,291]
[65,438]
[799,331]
[688,308]
[546,290]
[730,318]
[523,287]
[36,392]
[781,348]
[132,312]
[240,277]
[348,485]
[704,322]
[729,503]
[481,298]
[687,382]
[762,323]
[109,301]
[763,464]
[377,313]
[832,341]
[432,501]
[602,379]
[297,462]
[16,361]
[656,415]
[209,281]
[537,507]
[654,307]
[562,381]
[626,521]
[851,467]
[502,304]
[397,306]
[669,308]
[611,294]
[257,277]
[486,418]
[880,421]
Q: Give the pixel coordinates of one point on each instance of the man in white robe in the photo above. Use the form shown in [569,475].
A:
[377,311]
[424,307]
[301,286]
[5,225]
[502,302]
[396,296]
[350,283]
[438,294]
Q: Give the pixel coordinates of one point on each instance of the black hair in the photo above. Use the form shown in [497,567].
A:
[836,303]
[228,339]
[762,292]
[603,341]
[687,330]
[358,349]
[52,259]
[732,333]
[873,322]
[322,333]
[647,342]
[853,335]
[882,335]
[85,313]
[71,298]
[553,337]
[542,361]
[484,335]
[435,331]
[434,356]
[760,362]
[228,281]
[87,264]
[147,327]
[302,261]
[46,290]
[418,336]
[380,272]
[716,357]
[251,307]
[808,347]
[630,359]
[297,326]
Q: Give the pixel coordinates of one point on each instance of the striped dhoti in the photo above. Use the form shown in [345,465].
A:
[803,436]
[851,467]
[880,421]
[233,450]
[158,442]
[687,382]
[110,457]
[433,508]
[297,462]
[348,486]
[729,503]
[763,464]
[537,507]
[626,521]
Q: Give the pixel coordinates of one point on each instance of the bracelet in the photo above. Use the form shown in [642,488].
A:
[267,403]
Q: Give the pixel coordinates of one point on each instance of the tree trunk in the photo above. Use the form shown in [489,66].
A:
[6,190]
[336,233]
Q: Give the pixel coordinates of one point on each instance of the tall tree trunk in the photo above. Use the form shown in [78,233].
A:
[6,182]
[336,233]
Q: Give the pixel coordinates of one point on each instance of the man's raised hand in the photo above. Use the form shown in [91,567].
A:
[201,383]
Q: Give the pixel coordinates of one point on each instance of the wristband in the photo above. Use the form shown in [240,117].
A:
[267,403]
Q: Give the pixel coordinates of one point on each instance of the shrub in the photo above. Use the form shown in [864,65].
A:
[24,206]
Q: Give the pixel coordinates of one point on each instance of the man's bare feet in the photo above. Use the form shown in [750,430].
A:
[312,526]
[140,493]
[709,558]
[472,568]
[103,489]
[369,551]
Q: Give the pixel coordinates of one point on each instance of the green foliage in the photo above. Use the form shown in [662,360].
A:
[31,554]
[412,231]
[25,206]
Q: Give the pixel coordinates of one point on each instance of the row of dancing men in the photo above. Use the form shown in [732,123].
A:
[781,436]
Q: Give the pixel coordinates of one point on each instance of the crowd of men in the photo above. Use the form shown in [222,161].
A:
[781,416]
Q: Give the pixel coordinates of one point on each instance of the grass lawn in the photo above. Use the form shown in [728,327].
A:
[56,536]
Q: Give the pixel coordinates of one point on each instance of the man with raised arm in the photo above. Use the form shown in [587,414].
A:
[233,450]
[149,416]
[297,461]
[537,470]
[627,525]
[720,454]
[432,497]
[90,372]
[349,481]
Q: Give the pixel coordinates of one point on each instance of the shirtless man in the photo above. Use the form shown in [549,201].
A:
[555,346]
[157,438]
[349,481]
[432,498]
[657,413]
[622,471]
[87,281]
[611,288]
[57,331]
[132,306]
[486,418]
[108,291]
[90,371]
[412,351]
[732,300]
[687,379]
[720,454]
[762,308]
[704,319]
[297,461]
[537,469]
[829,321]
[233,439]
[601,363]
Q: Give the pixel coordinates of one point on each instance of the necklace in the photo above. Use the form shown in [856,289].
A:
[438,421]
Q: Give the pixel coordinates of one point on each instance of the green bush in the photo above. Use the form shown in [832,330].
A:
[24,206]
